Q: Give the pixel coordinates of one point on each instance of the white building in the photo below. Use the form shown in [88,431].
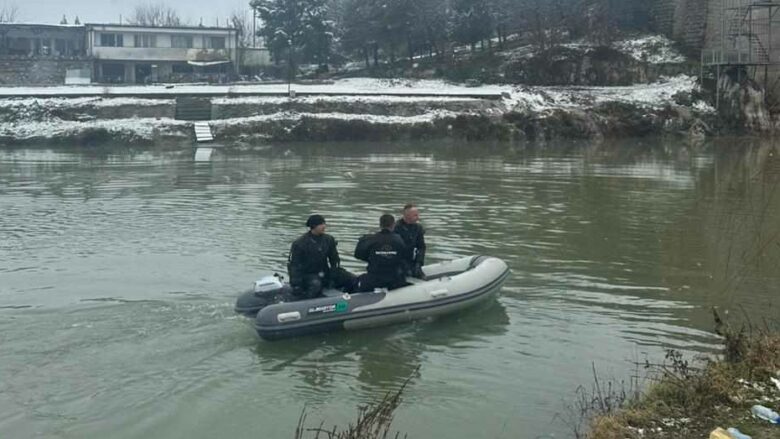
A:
[141,54]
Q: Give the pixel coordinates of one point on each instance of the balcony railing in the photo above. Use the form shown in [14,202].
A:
[731,57]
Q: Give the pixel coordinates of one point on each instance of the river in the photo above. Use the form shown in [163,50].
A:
[119,271]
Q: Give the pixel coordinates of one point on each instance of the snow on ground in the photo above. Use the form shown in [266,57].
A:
[82,102]
[142,127]
[520,98]
[370,118]
[368,86]
[339,99]
[656,94]
[374,91]
[655,49]
[518,53]
[146,127]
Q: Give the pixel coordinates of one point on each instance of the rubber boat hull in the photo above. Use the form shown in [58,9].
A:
[449,287]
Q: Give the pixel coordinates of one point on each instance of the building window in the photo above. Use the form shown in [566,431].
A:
[215,42]
[113,72]
[181,68]
[59,47]
[145,40]
[111,40]
[181,41]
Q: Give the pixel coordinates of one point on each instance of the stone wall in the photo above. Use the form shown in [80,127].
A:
[663,16]
[31,71]
[685,21]
[694,19]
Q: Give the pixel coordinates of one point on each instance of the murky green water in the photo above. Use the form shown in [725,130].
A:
[118,274]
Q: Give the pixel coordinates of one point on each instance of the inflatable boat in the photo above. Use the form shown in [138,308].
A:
[447,287]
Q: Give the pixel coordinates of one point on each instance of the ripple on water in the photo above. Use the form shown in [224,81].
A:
[119,274]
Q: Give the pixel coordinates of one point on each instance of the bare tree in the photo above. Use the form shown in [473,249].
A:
[241,21]
[155,14]
[9,13]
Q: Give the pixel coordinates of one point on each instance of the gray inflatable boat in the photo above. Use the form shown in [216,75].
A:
[448,287]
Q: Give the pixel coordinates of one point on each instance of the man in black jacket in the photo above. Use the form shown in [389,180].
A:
[413,235]
[314,262]
[384,252]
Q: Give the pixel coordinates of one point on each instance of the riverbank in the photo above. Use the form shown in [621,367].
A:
[690,399]
[362,109]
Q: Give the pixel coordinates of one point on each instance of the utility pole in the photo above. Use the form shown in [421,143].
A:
[289,67]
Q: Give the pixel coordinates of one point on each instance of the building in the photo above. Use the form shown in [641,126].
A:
[42,54]
[741,36]
[141,54]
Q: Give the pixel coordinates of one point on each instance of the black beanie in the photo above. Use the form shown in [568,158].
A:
[314,221]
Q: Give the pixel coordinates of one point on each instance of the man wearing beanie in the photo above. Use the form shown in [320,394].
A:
[314,262]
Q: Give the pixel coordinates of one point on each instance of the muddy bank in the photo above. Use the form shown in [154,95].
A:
[611,120]
[523,114]
[604,121]
[691,398]
[591,66]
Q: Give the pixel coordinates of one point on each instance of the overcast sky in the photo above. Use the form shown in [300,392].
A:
[96,11]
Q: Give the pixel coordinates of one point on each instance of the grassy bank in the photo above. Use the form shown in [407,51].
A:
[690,399]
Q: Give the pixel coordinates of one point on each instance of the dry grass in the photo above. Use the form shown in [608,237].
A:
[373,421]
[687,401]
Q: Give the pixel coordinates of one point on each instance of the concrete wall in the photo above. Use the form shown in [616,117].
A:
[696,24]
[685,21]
[26,71]
[161,54]
[663,16]
[42,40]
[694,20]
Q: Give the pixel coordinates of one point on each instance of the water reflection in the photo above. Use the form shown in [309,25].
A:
[725,250]
[381,359]
[617,249]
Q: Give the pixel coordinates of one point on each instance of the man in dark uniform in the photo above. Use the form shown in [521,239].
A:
[314,262]
[413,235]
[384,252]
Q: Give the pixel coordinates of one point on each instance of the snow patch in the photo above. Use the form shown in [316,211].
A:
[82,102]
[142,127]
[704,107]
[654,49]
[370,118]
[658,94]
[340,99]
[371,86]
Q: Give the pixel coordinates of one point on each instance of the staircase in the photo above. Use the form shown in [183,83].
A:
[203,132]
[188,108]
[739,28]
[757,51]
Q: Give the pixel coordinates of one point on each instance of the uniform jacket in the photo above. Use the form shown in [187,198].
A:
[384,252]
[310,254]
[413,236]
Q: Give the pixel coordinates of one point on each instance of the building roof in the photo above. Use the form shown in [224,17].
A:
[47,26]
[138,26]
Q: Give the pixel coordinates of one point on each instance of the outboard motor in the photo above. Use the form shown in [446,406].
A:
[264,292]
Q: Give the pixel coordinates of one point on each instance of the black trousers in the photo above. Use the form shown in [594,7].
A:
[312,285]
